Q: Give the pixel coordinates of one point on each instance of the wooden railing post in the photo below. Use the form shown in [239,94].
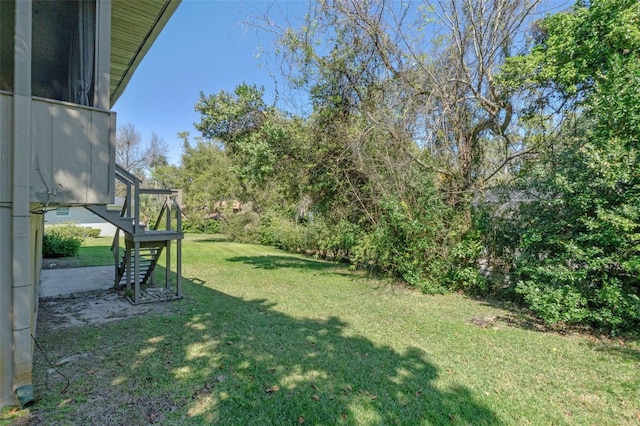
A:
[115,249]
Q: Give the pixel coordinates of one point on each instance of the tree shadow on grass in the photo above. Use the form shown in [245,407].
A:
[628,354]
[522,318]
[213,239]
[277,262]
[222,359]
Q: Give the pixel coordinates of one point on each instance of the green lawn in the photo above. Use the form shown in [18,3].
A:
[267,337]
[96,251]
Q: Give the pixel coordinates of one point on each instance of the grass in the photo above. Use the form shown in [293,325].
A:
[93,252]
[266,337]
[96,252]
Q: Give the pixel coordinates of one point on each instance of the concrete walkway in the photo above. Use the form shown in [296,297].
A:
[67,281]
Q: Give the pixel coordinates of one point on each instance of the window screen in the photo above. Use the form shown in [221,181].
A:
[7,27]
[63,50]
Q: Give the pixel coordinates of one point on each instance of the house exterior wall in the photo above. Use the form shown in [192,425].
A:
[18,275]
[6,205]
[72,154]
[53,152]
[18,325]
[6,315]
[6,153]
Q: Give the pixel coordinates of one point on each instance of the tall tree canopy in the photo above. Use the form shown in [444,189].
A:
[204,175]
[259,139]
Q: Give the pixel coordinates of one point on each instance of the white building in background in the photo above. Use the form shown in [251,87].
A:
[83,217]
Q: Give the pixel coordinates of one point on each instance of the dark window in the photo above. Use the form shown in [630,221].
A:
[7,28]
[63,50]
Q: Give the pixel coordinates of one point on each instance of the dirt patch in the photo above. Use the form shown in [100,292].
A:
[72,373]
[94,307]
[60,262]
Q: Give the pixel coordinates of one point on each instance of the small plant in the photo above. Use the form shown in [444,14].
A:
[60,246]
[64,240]
[93,232]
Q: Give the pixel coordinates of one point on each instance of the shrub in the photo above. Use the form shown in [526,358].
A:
[71,230]
[281,232]
[64,240]
[201,225]
[243,227]
[60,246]
[268,229]
[312,235]
[463,272]
[339,240]
[573,247]
[411,242]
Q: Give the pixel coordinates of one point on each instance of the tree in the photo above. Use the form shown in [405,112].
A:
[402,122]
[375,60]
[361,111]
[471,117]
[576,254]
[135,155]
[140,159]
[266,147]
[205,176]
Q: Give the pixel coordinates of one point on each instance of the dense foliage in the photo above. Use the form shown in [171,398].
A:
[205,178]
[577,255]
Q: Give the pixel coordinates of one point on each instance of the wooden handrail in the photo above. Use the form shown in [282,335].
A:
[125,175]
[153,191]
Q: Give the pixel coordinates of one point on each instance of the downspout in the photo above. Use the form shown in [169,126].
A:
[23,294]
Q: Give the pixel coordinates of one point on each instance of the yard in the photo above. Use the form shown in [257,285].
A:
[267,337]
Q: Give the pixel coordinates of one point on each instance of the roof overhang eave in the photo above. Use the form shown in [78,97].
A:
[121,81]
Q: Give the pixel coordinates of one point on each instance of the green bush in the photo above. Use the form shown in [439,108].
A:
[268,229]
[64,240]
[242,227]
[60,246]
[71,230]
[340,240]
[312,234]
[201,225]
[412,242]
[574,244]
[281,232]
[463,272]
[573,249]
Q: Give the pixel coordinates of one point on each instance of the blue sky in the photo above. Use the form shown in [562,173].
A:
[206,46]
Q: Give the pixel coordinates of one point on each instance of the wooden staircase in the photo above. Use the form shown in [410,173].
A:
[136,262]
[148,259]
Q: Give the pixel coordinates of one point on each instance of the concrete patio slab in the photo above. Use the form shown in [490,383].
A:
[68,281]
